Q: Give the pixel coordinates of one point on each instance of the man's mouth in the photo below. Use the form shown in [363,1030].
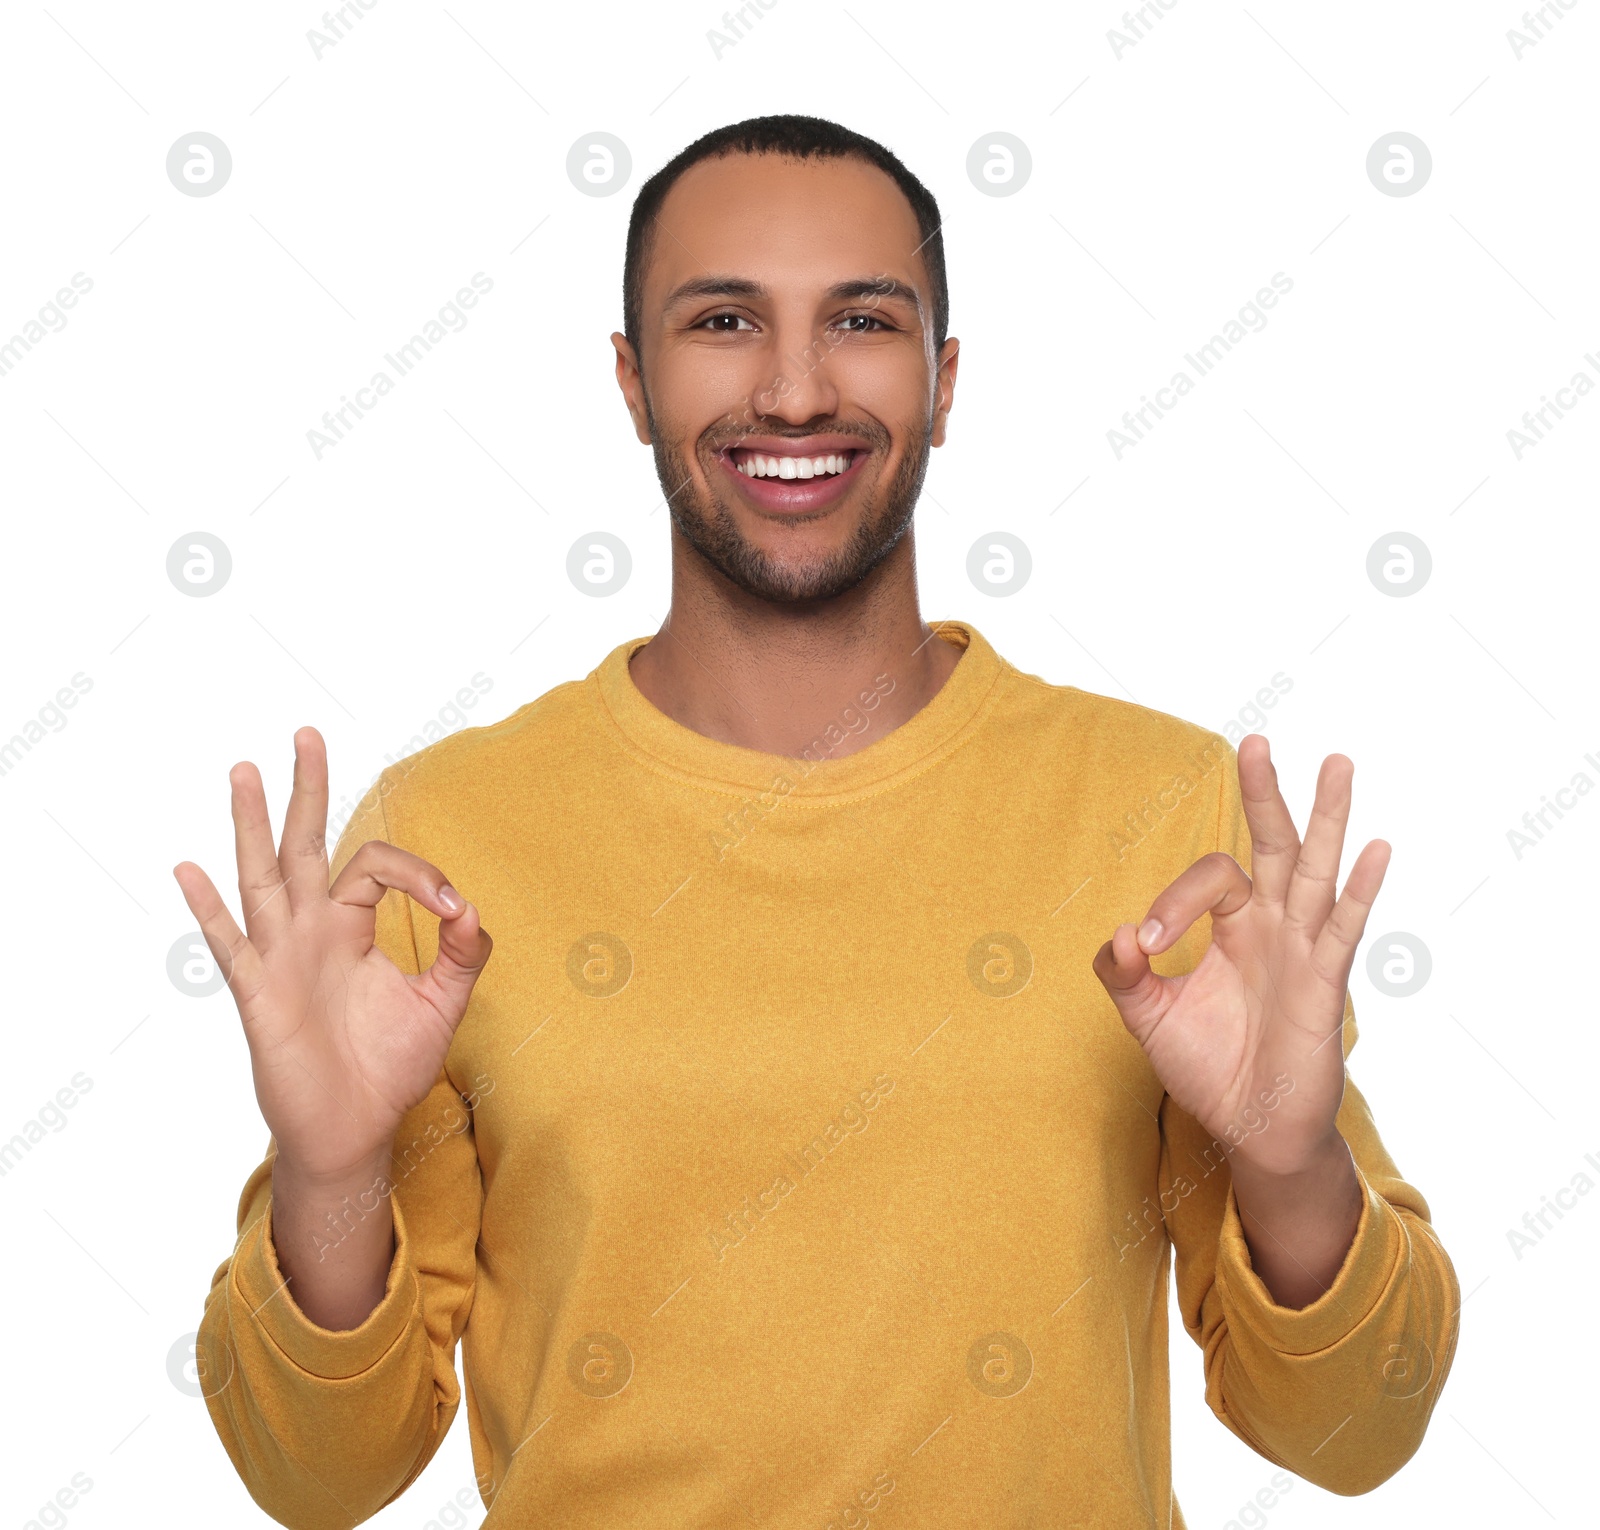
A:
[756,464]
[794,475]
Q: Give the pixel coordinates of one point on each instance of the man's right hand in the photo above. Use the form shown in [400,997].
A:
[342,1042]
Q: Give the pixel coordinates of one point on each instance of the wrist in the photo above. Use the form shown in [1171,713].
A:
[1300,1223]
[293,1177]
[1304,1164]
[1322,1175]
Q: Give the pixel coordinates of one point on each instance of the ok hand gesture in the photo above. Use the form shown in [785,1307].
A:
[1267,998]
[342,1042]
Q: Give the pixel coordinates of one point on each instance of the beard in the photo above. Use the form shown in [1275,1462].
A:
[710,527]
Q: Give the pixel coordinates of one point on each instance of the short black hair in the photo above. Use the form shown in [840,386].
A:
[795,137]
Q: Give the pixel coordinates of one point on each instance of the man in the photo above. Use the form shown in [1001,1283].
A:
[808,1154]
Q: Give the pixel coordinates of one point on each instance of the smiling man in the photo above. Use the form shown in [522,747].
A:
[874,1025]
[791,391]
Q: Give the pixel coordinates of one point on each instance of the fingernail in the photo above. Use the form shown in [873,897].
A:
[451,899]
[1149,933]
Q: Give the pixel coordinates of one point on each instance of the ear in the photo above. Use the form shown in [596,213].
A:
[945,383]
[631,380]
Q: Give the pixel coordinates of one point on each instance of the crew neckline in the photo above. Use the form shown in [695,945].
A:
[665,744]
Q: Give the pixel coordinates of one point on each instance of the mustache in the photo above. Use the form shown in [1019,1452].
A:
[868,440]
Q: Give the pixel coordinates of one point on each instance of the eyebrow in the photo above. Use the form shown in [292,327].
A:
[856,287]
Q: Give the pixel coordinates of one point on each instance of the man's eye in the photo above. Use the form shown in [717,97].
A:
[717,325]
[850,321]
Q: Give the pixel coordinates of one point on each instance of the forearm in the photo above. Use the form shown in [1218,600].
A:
[334,1241]
[322,1425]
[1299,1227]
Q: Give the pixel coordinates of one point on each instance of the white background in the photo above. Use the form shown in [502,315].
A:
[1168,185]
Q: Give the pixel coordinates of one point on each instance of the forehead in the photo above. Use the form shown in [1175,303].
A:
[787,223]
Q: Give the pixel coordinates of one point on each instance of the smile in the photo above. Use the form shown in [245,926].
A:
[754,465]
[798,475]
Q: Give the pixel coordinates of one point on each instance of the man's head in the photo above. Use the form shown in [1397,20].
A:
[785,306]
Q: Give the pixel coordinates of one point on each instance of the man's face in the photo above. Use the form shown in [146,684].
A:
[786,323]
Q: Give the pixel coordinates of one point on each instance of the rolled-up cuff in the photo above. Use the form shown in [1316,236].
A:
[261,1295]
[1373,1261]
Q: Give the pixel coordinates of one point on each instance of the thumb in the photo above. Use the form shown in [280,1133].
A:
[1140,994]
[464,948]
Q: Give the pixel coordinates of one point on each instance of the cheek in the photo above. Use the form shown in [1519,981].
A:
[717,386]
[891,383]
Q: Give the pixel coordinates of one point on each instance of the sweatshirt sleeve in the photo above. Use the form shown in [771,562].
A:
[1340,1391]
[323,1427]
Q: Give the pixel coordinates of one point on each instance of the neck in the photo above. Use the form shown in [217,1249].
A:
[777,678]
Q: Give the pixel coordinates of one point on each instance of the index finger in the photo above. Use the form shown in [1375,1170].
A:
[377,866]
[1216,884]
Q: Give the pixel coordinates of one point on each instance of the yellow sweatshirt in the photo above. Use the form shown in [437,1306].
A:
[791,1167]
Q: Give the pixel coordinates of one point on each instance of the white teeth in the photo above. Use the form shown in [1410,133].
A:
[758,466]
